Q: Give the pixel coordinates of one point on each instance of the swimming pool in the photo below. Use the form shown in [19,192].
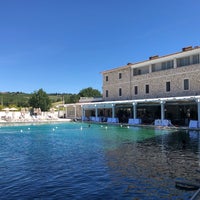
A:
[81,161]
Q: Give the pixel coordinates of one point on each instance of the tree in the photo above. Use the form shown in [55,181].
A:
[74,98]
[41,100]
[90,92]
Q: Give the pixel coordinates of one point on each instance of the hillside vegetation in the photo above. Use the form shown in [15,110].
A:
[20,99]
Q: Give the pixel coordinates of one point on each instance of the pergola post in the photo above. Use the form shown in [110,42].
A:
[134,110]
[113,110]
[96,112]
[82,113]
[162,104]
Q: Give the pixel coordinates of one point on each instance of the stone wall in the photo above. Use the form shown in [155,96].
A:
[155,80]
[114,83]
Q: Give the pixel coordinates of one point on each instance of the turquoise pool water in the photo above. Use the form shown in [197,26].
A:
[78,161]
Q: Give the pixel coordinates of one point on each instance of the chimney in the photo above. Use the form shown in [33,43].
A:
[187,48]
[153,57]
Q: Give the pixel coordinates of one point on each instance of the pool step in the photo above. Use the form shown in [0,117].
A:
[186,185]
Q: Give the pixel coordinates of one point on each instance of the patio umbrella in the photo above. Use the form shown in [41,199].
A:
[13,109]
[6,109]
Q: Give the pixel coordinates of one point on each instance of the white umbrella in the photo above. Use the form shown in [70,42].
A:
[6,109]
[13,109]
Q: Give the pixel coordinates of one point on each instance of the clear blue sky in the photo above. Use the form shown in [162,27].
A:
[63,45]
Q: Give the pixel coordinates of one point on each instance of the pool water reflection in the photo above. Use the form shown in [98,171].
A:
[77,161]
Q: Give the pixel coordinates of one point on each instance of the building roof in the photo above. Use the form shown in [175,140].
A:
[155,59]
[117,68]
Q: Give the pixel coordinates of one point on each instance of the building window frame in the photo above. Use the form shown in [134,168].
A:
[120,75]
[136,90]
[168,86]
[120,92]
[186,84]
[147,88]
[137,71]
[184,61]
[106,78]
[167,65]
[106,93]
[195,59]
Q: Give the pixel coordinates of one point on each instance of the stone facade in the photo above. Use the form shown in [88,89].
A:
[167,76]
[112,82]
[157,83]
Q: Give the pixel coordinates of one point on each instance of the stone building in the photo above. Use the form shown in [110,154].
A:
[162,90]
[172,75]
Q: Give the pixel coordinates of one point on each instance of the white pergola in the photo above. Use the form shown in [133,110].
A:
[161,101]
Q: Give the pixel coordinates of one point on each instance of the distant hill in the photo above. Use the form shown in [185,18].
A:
[20,99]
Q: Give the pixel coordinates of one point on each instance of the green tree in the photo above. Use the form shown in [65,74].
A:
[74,98]
[41,100]
[90,92]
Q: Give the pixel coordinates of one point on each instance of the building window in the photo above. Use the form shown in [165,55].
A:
[137,72]
[186,84]
[195,59]
[136,90]
[120,92]
[183,61]
[147,89]
[168,86]
[120,75]
[106,78]
[106,93]
[168,65]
